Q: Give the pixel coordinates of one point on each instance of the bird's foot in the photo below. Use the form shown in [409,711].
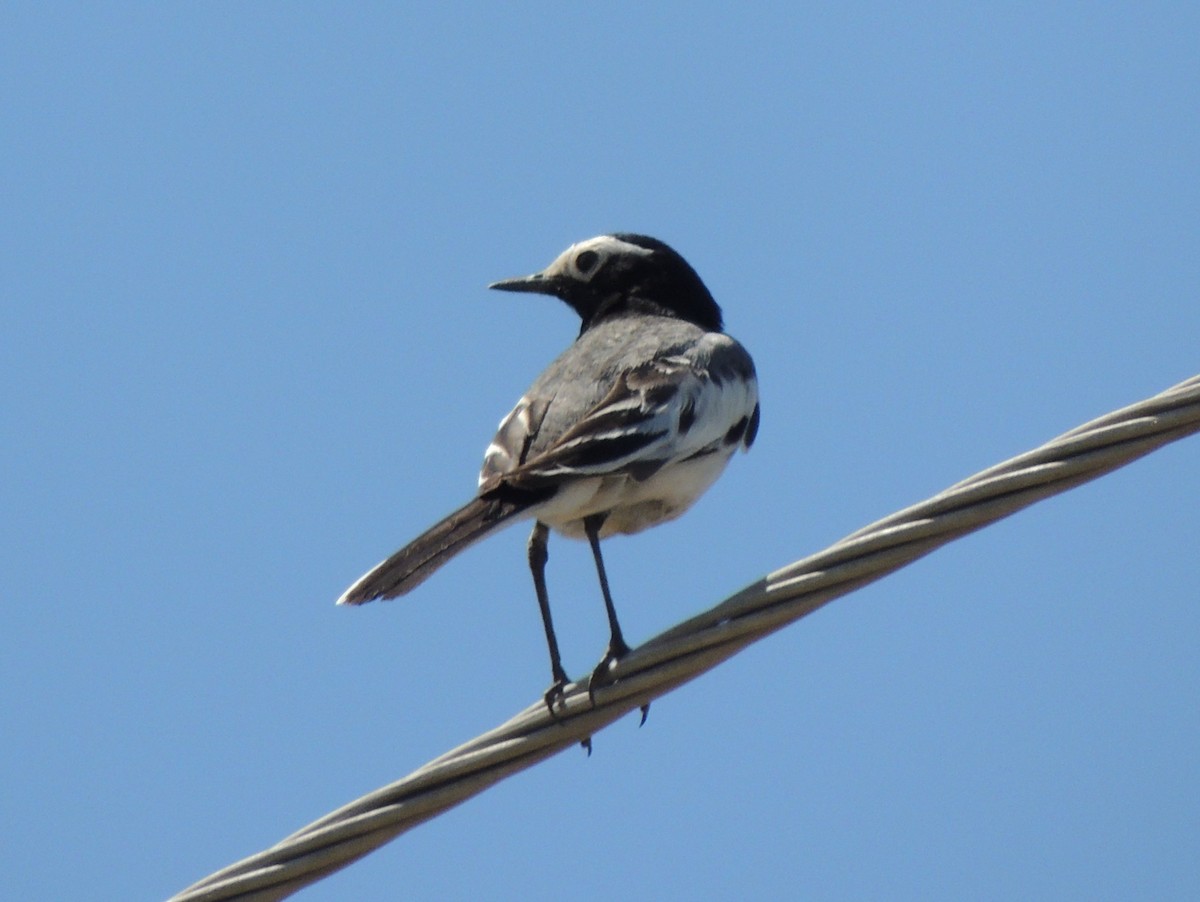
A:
[602,674]
[555,695]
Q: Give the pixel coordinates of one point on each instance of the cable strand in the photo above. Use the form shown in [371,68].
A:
[695,646]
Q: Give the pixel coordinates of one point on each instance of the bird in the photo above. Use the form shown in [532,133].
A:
[625,430]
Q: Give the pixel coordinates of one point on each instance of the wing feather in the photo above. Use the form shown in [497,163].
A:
[669,409]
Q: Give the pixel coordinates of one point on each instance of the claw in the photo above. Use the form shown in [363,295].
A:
[555,694]
[586,745]
[601,674]
[645,714]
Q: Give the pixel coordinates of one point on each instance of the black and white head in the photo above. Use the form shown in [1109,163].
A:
[621,274]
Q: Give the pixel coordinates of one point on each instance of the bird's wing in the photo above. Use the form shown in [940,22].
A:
[515,434]
[669,409]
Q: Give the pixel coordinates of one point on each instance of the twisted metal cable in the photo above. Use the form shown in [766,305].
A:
[695,646]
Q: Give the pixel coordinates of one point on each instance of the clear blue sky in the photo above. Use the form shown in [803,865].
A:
[247,351]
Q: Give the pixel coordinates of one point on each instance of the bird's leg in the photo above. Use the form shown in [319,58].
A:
[617,646]
[616,643]
[538,555]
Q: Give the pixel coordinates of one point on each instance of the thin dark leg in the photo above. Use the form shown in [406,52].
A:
[616,641]
[617,646]
[538,555]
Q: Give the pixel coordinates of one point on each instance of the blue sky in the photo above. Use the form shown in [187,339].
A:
[248,351]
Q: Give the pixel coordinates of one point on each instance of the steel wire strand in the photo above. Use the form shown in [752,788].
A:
[685,651]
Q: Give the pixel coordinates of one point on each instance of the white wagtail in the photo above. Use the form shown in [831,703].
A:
[625,430]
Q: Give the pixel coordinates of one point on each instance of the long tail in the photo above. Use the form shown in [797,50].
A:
[415,562]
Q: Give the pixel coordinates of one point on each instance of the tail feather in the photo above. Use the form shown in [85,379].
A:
[416,562]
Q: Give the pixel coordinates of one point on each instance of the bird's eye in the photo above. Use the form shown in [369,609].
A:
[586,261]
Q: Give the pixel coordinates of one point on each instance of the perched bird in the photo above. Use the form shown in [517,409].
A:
[625,430]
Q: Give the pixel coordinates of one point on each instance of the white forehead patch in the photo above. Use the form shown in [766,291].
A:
[605,245]
[609,244]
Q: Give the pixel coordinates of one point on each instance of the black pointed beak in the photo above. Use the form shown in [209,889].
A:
[538,283]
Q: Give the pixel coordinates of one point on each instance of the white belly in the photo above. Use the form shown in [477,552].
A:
[632,505]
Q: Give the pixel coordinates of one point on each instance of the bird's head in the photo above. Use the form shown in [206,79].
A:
[618,274]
